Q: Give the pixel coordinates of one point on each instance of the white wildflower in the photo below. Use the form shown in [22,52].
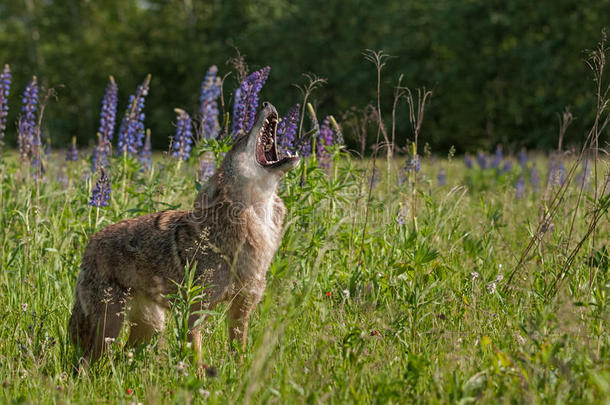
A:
[204,393]
[346,294]
[499,278]
[24,307]
[474,275]
[491,287]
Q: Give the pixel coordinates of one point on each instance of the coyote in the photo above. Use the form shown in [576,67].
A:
[229,239]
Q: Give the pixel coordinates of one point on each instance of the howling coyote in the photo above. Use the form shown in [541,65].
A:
[229,238]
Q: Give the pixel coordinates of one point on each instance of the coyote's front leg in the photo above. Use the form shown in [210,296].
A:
[239,313]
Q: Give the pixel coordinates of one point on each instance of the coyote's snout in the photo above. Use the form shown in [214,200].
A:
[229,238]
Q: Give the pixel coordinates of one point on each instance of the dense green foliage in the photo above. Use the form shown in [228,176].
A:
[500,71]
[404,315]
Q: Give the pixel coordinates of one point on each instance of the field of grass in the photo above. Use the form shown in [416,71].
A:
[363,304]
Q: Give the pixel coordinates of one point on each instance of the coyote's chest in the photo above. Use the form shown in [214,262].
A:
[263,233]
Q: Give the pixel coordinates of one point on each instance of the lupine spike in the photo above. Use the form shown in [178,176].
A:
[27,121]
[207,168]
[522,157]
[131,131]
[100,196]
[520,187]
[324,141]
[287,129]
[108,114]
[535,178]
[146,152]
[183,139]
[72,153]
[441,178]
[246,100]
[498,156]
[5,88]
[468,161]
[99,157]
[482,159]
[208,109]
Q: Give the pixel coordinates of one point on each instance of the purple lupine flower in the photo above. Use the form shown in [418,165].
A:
[146,152]
[520,187]
[324,140]
[131,131]
[100,196]
[287,130]
[522,157]
[5,88]
[441,178]
[557,172]
[183,140]
[497,160]
[535,178]
[99,157]
[246,100]
[507,167]
[208,109]
[468,161]
[27,121]
[108,114]
[584,176]
[207,168]
[413,164]
[482,159]
[72,153]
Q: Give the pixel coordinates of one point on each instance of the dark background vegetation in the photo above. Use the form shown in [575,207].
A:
[501,71]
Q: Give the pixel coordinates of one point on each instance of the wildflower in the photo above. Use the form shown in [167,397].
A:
[287,129]
[520,339]
[208,109]
[59,388]
[491,287]
[499,278]
[183,140]
[441,178]
[507,167]
[108,114]
[131,131]
[324,141]
[109,340]
[99,157]
[468,161]
[522,157]
[146,152]
[498,156]
[128,391]
[27,122]
[400,219]
[346,294]
[482,160]
[100,197]
[375,332]
[204,393]
[72,153]
[557,171]
[246,100]
[5,87]
[535,178]
[24,307]
[413,164]
[584,176]
[328,294]
[207,169]
[474,275]
[520,187]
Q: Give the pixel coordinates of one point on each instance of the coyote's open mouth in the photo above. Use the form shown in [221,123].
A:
[266,144]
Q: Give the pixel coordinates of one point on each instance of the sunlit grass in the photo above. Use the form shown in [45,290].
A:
[403,316]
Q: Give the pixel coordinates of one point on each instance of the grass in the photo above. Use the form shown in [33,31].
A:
[403,316]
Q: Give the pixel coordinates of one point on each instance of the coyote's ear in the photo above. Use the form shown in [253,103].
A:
[207,197]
